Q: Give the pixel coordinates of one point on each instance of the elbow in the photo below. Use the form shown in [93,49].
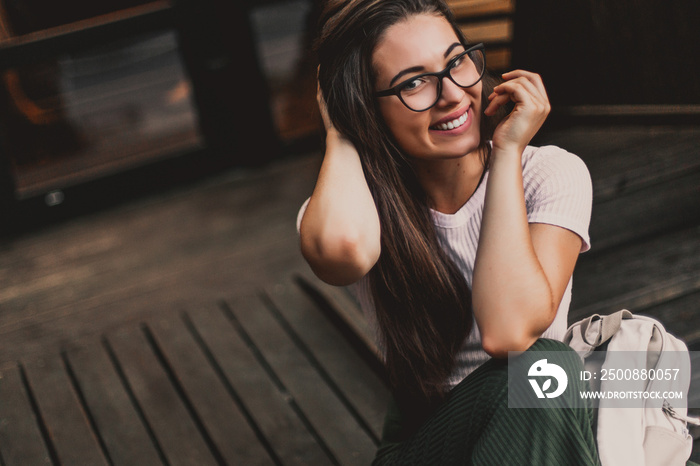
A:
[498,346]
[513,320]
[340,259]
[516,332]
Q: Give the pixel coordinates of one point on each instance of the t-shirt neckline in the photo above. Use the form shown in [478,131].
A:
[465,212]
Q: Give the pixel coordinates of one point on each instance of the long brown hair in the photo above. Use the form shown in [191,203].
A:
[422,300]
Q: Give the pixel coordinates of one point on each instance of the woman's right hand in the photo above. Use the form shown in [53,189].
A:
[531,108]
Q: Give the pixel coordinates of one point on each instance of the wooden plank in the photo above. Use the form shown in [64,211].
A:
[472,8]
[680,316]
[352,377]
[67,424]
[180,438]
[694,391]
[150,238]
[626,159]
[498,30]
[269,407]
[645,180]
[689,111]
[188,245]
[349,443]
[646,212]
[694,402]
[346,309]
[21,442]
[637,276]
[228,427]
[498,59]
[47,43]
[640,299]
[645,162]
[127,439]
[594,144]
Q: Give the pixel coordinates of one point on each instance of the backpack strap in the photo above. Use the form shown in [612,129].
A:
[609,325]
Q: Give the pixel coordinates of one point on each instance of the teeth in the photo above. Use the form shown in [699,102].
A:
[453,124]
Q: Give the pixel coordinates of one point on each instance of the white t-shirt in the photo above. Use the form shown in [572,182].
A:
[558,192]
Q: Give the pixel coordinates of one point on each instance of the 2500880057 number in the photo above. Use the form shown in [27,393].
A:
[639,374]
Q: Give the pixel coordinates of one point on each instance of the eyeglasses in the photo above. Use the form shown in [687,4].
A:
[423,91]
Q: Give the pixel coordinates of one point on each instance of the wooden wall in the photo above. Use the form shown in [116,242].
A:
[625,52]
[491,22]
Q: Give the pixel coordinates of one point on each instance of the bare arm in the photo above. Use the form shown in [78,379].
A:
[340,234]
[521,270]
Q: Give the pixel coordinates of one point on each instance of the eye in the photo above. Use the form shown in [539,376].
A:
[413,84]
[457,62]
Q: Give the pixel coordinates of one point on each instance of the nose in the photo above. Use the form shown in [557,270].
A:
[451,92]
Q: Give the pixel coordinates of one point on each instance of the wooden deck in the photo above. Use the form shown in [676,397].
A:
[186,328]
[259,379]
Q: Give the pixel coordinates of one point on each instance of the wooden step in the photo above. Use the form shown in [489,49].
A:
[639,277]
[646,180]
[358,384]
[258,379]
[625,159]
[269,407]
[348,316]
[326,414]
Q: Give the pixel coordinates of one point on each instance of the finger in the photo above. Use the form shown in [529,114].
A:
[521,91]
[539,100]
[534,78]
[498,101]
[526,85]
[530,76]
[525,95]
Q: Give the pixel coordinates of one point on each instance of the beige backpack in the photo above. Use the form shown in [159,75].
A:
[627,355]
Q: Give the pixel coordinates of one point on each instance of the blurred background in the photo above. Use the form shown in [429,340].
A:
[90,92]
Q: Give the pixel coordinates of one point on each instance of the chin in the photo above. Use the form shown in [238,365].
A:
[440,147]
[458,148]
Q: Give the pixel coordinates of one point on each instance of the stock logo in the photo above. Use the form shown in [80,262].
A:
[547,371]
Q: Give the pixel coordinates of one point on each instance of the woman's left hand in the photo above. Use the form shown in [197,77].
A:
[532,106]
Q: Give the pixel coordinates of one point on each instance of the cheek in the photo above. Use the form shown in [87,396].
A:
[406,126]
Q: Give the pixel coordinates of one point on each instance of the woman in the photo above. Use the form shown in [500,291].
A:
[459,238]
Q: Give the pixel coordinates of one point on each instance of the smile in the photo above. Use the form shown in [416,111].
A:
[452,124]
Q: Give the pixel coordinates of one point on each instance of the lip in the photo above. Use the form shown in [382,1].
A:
[453,116]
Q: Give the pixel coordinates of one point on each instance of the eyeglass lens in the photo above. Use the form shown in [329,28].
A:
[422,93]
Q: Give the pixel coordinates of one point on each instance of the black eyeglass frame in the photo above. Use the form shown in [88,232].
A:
[396,90]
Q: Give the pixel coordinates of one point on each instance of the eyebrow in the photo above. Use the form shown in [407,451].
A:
[413,69]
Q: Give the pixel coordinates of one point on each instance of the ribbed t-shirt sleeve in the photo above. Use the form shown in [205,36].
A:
[300,214]
[558,191]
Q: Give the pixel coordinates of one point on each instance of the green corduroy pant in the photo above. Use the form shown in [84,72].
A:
[475,426]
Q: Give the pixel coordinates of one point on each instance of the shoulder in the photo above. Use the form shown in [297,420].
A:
[558,189]
[555,167]
[551,158]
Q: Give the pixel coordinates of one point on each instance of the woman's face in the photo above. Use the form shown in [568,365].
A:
[426,43]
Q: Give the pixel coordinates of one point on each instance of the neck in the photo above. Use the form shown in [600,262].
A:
[449,183]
